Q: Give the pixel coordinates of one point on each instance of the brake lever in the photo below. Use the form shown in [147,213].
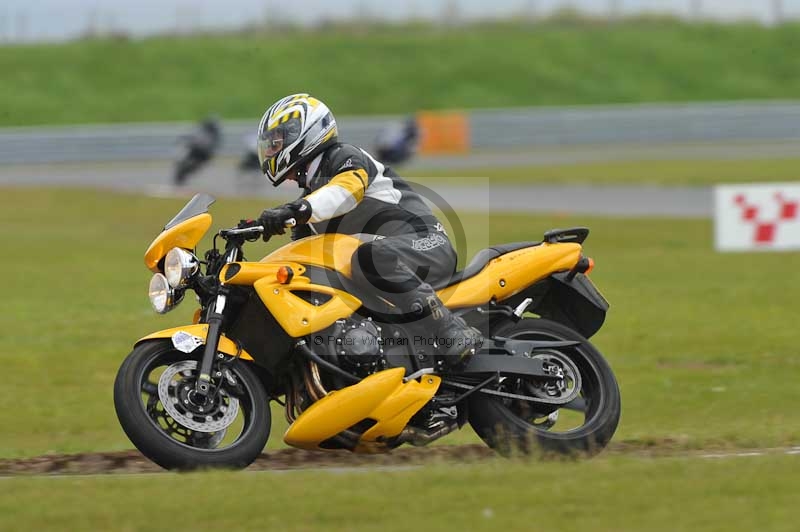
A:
[256,230]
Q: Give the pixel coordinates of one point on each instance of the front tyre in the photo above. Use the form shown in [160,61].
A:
[158,410]
[585,424]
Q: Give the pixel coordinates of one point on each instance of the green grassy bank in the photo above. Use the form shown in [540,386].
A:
[397,69]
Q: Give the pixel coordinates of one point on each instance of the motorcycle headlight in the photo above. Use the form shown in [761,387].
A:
[179,267]
[162,296]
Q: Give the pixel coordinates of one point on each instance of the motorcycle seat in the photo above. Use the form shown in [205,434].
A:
[482,258]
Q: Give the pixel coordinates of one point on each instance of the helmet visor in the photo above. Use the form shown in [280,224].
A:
[272,141]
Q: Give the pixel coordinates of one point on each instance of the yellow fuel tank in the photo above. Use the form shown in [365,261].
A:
[327,251]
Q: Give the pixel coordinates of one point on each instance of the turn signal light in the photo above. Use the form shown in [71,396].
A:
[584,266]
[590,268]
[284,275]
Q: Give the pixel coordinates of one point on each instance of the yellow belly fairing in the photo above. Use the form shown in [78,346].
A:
[382,397]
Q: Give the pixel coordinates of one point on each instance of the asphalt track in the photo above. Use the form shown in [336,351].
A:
[221,179]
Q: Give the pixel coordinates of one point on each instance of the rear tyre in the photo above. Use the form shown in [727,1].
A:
[176,429]
[584,425]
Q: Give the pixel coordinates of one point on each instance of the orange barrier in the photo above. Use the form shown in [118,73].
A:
[443,132]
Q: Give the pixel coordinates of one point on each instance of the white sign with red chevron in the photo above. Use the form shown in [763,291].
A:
[757,217]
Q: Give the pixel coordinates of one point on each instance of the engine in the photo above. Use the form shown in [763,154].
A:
[358,345]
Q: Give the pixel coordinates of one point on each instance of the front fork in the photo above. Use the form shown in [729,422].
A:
[203,384]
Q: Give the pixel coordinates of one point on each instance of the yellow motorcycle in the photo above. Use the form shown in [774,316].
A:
[350,372]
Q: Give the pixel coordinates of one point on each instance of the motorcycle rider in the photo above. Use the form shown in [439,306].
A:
[200,145]
[346,190]
[398,142]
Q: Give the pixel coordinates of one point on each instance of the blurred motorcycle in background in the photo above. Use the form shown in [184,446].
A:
[397,143]
[196,149]
[248,162]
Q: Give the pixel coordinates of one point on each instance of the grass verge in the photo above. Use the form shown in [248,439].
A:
[620,494]
[704,344]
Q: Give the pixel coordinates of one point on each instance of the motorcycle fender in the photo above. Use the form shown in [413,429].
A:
[188,336]
[575,302]
[382,398]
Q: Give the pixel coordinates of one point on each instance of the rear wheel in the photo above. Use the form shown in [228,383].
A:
[174,427]
[585,423]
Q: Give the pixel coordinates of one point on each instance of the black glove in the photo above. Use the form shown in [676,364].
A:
[274,220]
[247,224]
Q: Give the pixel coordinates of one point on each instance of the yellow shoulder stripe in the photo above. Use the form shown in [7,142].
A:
[353,181]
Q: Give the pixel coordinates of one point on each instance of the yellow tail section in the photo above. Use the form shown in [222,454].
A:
[511,273]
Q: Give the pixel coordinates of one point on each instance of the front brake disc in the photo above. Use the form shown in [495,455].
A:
[174,386]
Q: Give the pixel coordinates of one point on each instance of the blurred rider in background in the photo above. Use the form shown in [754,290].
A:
[249,159]
[346,190]
[199,147]
[397,143]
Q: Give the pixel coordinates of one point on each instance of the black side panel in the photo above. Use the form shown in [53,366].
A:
[576,303]
[259,334]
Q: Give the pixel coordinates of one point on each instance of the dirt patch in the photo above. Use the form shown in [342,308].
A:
[134,462]
[287,459]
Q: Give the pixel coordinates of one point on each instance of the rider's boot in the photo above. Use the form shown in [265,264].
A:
[456,340]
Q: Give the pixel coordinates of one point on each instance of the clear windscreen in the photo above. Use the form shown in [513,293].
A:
[199,204]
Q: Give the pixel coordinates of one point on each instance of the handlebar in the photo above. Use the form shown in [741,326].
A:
[255,230]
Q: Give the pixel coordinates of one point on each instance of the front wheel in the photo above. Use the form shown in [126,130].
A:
[159,411]
[585,423]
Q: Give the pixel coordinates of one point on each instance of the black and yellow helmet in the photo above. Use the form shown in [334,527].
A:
[291,132]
